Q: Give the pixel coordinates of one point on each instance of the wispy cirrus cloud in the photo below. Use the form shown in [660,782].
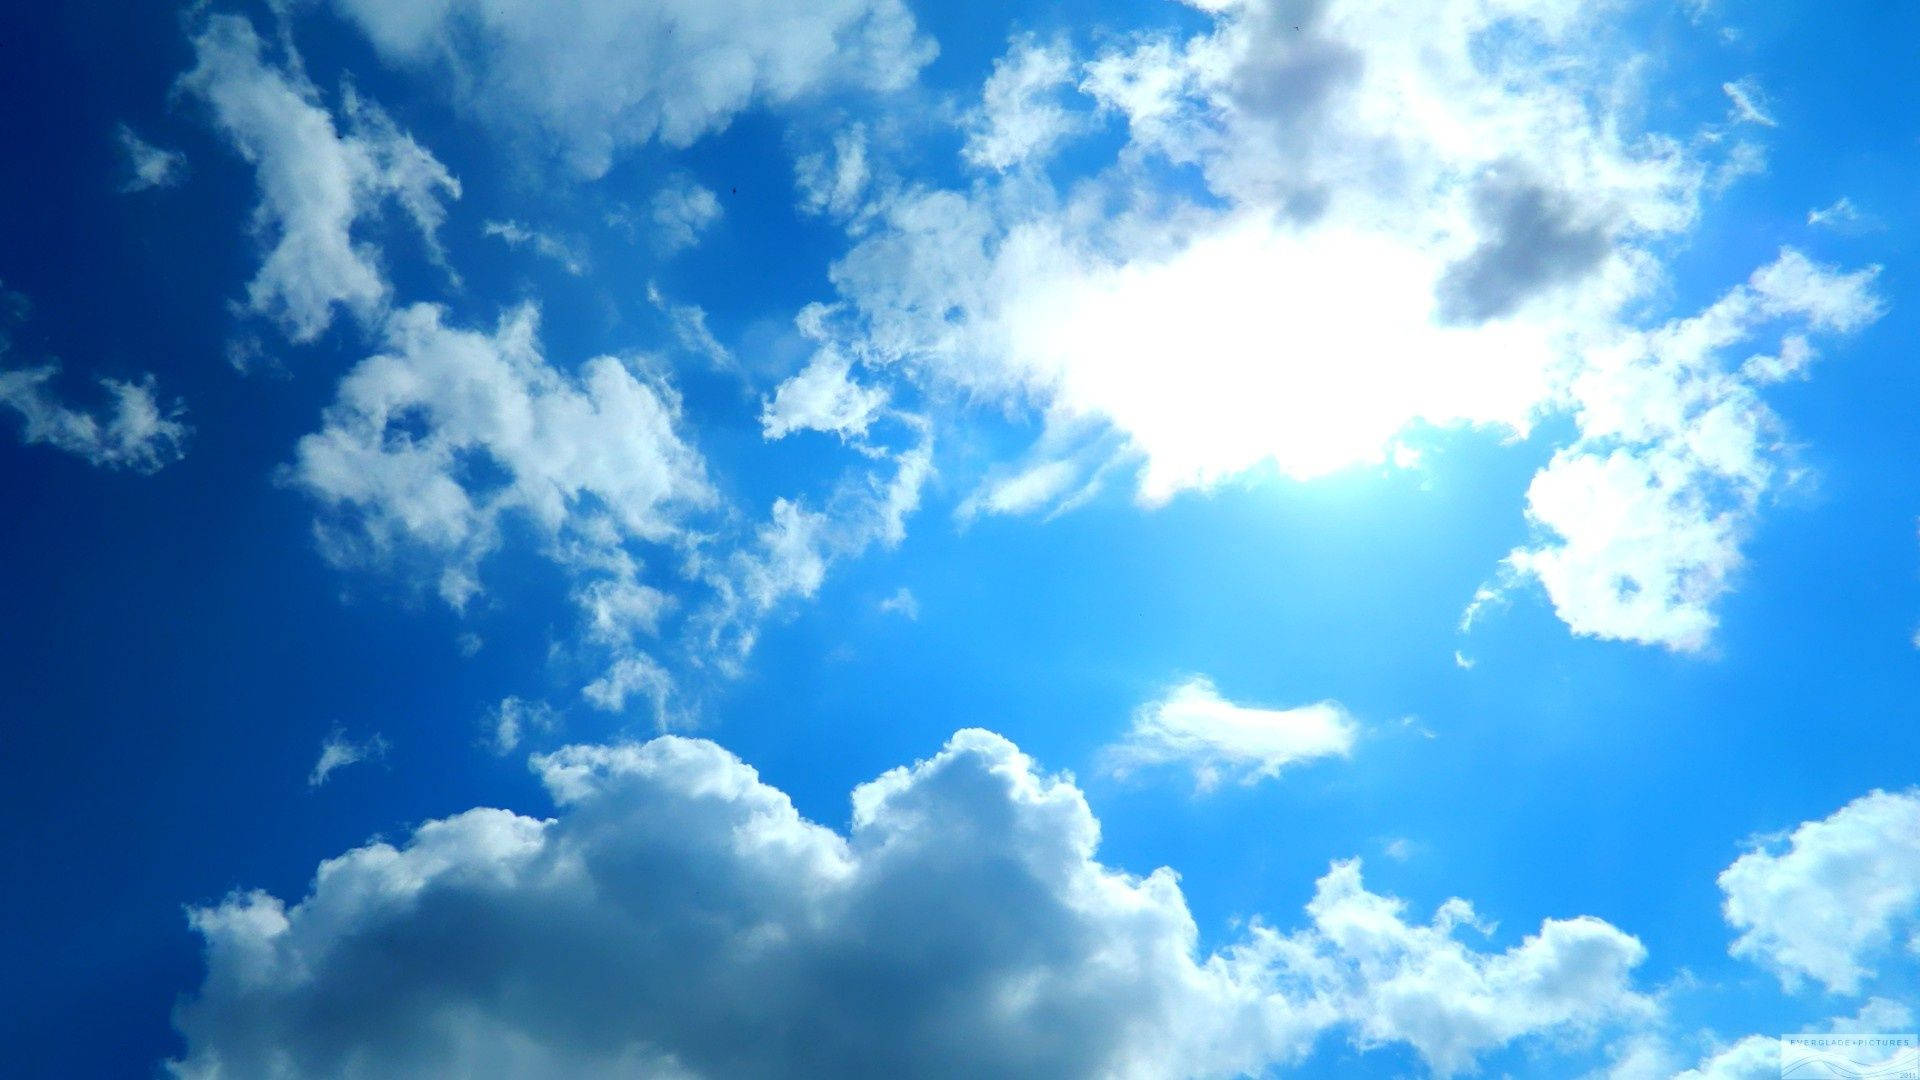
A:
[135,430]
[337,751]
[148,166]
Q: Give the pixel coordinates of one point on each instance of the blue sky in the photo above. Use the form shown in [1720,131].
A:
[616,538]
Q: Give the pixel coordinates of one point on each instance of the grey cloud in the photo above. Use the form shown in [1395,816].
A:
[1537,240]
[678,918]
[1289,69]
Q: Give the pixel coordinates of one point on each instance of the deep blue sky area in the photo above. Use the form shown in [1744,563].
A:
[180,638]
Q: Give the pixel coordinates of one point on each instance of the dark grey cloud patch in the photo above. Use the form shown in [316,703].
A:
[1536,239]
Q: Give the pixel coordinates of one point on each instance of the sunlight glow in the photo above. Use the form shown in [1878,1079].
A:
[1315,350]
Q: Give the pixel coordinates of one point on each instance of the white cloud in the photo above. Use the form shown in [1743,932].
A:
[1025,490]
[431,443]
[514,234]
[677,917]
[688,322]
[1831,904]
[1401,982]
[1407,225]
[1650,1056]
[1017,120]
[1756,1057]
[149,166]
[337,752]
[1656,1052]
[1068,466]
[902,603]
[1840,212]
[1877,1014]
[1646,512]
[597,76]
[1845,218]
[1391,202]
[434,444]
[681,212]
[1749,102]
[833,183]
[1641,1056]
[1193,726]
[823,396]
[316,184]
[1744,158]
[448,436]
[633,674]
[792,550]
[513,719]
[134,432]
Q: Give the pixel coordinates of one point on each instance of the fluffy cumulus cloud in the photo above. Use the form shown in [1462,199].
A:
[1192,726]
[595,76]
[434,444]
[1644,515]
[318,182]
[1650,1055]
[678,918]
[1837,900]
[1019,117]
[1756,1057]
[1332,229]
[823,396]
[452,439]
